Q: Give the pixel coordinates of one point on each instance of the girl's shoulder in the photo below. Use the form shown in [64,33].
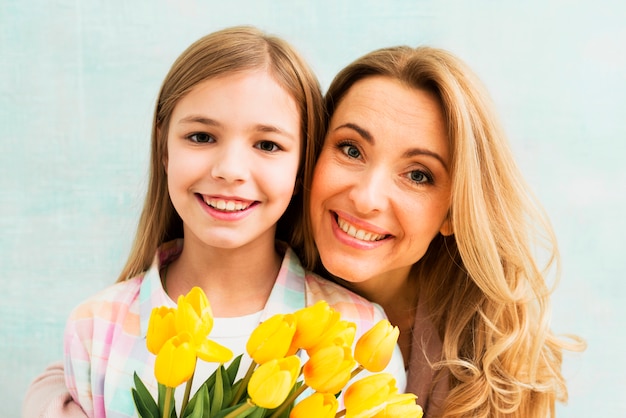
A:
[353,307]
[110,301]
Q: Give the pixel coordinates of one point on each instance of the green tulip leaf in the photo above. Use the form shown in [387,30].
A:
[199,402]
[235,389]
[201,395]
[144,400]
[218,390]
[228,387]
[257,412]
[233,368]
[140,406]
[210,381]
[246,413]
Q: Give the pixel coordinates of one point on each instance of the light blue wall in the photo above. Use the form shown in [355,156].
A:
[78,81]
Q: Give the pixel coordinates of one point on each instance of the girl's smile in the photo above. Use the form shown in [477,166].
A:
[227,209]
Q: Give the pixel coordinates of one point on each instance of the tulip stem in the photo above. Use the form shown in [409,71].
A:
[188,390]
[340,413]
[168,399]
[356,371]
[244,383]
[240,410]
[290,399]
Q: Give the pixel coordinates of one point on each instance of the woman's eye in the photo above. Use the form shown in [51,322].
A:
[201,138]
[268,146]
[351,151]
[419,177]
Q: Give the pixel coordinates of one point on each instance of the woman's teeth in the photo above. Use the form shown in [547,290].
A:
[358,233]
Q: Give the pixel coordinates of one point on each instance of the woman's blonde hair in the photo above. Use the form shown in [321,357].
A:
[227,51]
[483,286]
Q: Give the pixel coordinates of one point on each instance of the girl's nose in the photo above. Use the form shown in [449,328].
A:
[370,192]
[230,164]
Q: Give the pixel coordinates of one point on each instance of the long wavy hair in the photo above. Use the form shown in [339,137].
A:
[484,288]
[230,50]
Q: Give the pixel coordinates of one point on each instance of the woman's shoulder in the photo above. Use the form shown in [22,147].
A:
[352,306]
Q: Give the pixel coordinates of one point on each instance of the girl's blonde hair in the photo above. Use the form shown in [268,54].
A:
[483,286]
[227,51]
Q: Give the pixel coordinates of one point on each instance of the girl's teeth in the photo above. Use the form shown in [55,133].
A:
[358,233]
[226,205]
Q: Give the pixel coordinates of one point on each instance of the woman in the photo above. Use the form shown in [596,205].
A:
[416,204]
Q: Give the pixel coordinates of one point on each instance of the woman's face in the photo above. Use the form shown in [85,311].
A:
[381,187]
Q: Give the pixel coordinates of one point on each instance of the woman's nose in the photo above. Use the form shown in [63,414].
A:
[370,192]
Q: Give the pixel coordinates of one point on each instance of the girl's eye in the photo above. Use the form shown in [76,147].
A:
[268,146]
[201,138]
[419,177]
[350,150]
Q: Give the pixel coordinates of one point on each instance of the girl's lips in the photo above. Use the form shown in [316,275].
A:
[226,209]
[227,204]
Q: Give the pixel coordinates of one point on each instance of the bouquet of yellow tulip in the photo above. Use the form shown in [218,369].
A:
[270,387]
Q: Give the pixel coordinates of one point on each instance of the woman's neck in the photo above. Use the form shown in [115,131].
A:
[236,281]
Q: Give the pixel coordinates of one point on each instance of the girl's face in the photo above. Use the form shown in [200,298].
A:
[381,188]
[233,150]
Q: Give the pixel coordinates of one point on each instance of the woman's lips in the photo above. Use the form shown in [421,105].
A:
[357,234]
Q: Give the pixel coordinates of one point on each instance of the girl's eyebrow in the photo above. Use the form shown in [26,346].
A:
[199,119]
[259,127]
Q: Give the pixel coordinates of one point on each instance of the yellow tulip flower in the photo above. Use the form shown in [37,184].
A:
[194,315]
[318,405]
[401,405]
[375,348]
[367,397]
[272,381]
[213,352]
[341,333]
[176,361]
[329,369]
[160,328]
[312,323]
[272,338]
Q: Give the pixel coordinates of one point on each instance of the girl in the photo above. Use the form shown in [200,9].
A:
[231,140]
[417,205]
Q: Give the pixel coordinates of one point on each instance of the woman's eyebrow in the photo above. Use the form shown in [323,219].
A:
[361,131]
[412,152]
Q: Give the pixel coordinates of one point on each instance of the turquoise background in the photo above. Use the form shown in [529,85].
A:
[78,80]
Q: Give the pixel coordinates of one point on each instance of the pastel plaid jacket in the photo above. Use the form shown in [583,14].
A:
[105,335]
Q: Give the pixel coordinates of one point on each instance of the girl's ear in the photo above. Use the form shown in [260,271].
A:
[446,227]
